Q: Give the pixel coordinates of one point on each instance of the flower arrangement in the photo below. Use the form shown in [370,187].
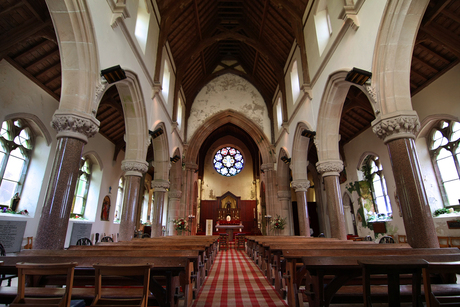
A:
[9,210]
[278,222]
[180,224]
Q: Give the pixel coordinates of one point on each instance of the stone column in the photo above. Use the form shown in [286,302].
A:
[270,189]
[284,198]
[134,171]
[301,187]
[160,187]
[173,210]
[73,133]
[330,171]
[190,169]
[398,132]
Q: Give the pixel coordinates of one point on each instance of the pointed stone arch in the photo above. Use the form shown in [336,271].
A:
[229,116]
[137,137]
[161,154]
[327,137]
[300,145]
[77,46]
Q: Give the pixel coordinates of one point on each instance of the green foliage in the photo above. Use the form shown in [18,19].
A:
[438,212]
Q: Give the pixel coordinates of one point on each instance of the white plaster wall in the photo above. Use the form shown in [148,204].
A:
[114,49]
[228,92]
[18,94]
[441,97]
[214,184]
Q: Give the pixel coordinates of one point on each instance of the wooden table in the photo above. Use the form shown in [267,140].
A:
[229,229]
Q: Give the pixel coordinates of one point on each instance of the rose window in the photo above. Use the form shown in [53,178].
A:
[228,161]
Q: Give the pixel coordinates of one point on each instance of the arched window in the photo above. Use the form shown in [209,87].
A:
[81,190]
[16,145]
[118,206]
[295,84]
[142,25]
[444,151]
[279,113]
[166,80]
[373,173]
[322,25]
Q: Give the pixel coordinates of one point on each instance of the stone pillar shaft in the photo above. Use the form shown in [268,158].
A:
[129,210]
[160,187]
[397,131]
[301,187]
[73,133]
[284,199]
[330,171]
[52,228]
[173,210]
[134,171]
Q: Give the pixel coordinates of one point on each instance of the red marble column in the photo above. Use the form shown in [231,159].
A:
[133,175]
[397,132]
[330,171]
[73,132]
[301,187]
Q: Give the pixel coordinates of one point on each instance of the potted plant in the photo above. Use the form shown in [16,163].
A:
[278,224]
[180,225]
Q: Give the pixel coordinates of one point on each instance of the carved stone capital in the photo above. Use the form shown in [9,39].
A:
[396,126]
[330,167]
[72,125]
[98,93]
[371,91]
[301,185]
[160,185]
[177,194]
[134,167]
[156,88]
[267,167]
[284,195]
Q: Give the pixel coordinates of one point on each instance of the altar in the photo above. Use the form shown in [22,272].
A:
[229,229]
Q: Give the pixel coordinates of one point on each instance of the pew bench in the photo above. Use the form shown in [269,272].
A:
[172,269]
[343,268]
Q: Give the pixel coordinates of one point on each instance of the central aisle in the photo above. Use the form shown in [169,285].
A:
[236,281]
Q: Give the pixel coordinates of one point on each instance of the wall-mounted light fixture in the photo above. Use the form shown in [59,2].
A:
[309,134]
[174,159]
[156,133]
[113,74]
[358,76]
[286,159]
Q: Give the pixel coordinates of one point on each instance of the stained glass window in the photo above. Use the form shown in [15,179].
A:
[228,161]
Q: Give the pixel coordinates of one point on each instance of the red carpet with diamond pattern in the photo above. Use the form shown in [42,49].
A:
[236,281]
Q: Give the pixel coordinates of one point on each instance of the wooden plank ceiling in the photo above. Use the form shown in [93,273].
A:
[208,38]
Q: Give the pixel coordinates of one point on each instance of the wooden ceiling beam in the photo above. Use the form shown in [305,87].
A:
[31,50]
[432,13]
[46,57]
[434,54]
[10,9]
[444,37]
[10,38]
[424,64]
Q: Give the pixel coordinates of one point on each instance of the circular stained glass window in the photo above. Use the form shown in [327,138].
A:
[228,161]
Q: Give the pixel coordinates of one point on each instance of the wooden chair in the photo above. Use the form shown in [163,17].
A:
[386,239]
[31,295]
[223,241]
[84,241]
[240,241]
[446,293]
[402,239]
[107,239]
[105,272]
[454,242]
[7,277]
[443,241]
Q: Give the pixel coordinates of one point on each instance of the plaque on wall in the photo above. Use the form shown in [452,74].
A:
[80,230]
[12,234]
[209,227]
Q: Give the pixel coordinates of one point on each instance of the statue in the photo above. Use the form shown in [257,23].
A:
[15,202]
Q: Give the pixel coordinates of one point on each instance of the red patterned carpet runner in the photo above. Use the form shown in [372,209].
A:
[236,281]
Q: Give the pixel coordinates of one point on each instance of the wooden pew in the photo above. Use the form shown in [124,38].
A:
[343,264]
[172,267]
